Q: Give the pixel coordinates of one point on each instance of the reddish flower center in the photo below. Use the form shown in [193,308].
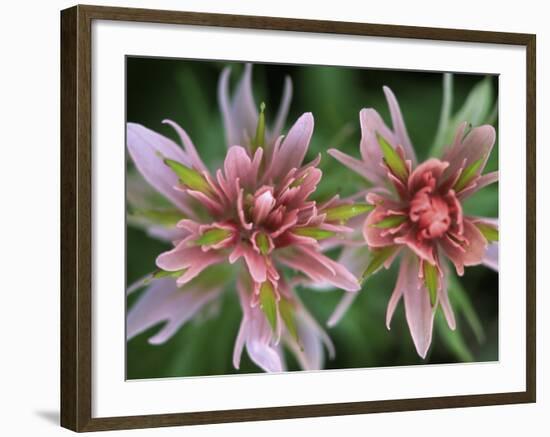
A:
[431,213]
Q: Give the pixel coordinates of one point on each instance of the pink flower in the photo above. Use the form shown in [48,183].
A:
[256,210]
[418,215]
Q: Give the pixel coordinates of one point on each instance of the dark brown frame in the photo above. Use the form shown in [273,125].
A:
[76,195]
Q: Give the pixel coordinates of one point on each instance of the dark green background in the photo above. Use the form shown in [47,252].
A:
[186,92]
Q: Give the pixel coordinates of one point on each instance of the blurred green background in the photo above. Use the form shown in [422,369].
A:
[186,92]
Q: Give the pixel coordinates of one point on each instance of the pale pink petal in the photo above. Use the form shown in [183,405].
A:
[341,309]
[282,113]
[191,258]
[356,165]
[312,337]
[238,165]
[482,182]
[255,262]
[490,259]
[188,146]
[399,125]
[320,268]
[255,332]
[265,355]
[225,107]
[163,301]
[263,204]
[210,203]
[240,114]
[477,144]
[418,309]
[443,297]
[422,248]
[295,197]
[240,207]
[147,149]
[470,254]
[376,237]
[293,148]
[398,291]
[371,125]
[288,220]
[433,166]
[165,234]
[239,343]
[453,150]
[237,253]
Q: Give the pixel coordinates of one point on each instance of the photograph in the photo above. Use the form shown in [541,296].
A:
[288,217]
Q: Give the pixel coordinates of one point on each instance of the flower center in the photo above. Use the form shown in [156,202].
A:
[431,213]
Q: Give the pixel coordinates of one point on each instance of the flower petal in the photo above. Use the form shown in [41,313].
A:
[418,309]
[193,259]
[163,301]
[477,144]
[432,166]
[376,236]
[189,147]
[443,297]
[371,126]
[311,354]
[263,204]
[257,335]
[399,125]
[238,165]
[355,259]
[490,259]
[472,253]
[282,113]
[397,293]
[481,182]
[255,262]
[353,164]
[320,268]
[291,151]
[341,309]
[147,149]
[240,114]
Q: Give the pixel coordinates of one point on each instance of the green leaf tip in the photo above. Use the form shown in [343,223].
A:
[490,232]
[467,175]
[263,243]
[287,315]
[377,260]
[259,138]
[268,304]
[159,274]
[163,217]
[431,280]
[212,236]
[316,233]
[392,159]
[300,180]
[342,213]
[390,222]
[189,177]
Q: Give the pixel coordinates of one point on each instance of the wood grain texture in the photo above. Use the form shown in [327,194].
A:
[76,217]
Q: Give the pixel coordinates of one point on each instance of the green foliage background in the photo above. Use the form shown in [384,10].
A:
[185,91]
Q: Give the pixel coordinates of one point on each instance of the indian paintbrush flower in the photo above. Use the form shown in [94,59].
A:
[254,212]
[418,216]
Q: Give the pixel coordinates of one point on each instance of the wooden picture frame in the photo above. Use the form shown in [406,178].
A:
[76,217]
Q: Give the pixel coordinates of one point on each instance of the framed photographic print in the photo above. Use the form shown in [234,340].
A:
[267,218]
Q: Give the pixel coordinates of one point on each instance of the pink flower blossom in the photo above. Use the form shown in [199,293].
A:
[254,211]
[418,215]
